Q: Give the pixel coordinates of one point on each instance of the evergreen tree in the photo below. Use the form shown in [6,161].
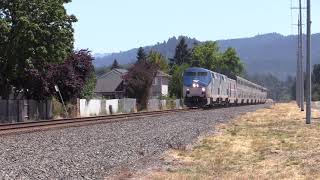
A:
[141,55]
[115,64]
[182,53]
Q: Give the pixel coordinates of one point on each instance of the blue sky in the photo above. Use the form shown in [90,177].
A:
[107,26]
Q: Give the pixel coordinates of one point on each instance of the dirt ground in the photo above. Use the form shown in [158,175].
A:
[272,143]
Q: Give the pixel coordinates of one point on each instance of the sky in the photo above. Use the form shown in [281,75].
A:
[106,26]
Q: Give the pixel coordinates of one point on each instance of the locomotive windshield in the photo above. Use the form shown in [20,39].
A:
[192,74]
[203,77]
[202,74]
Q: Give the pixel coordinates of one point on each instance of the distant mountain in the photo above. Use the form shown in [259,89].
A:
[101,55]
[167,49]
[267,53]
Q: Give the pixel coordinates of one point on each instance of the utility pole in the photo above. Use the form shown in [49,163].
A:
[301,75]
[298,74]
[308,64]
[298,64]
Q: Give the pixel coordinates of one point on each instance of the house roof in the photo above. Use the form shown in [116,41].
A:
[123,71]
[109,81]
[119,71]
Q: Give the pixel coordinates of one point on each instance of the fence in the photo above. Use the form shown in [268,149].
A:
[24,110]
[100,107]
[156,104]
[31,110]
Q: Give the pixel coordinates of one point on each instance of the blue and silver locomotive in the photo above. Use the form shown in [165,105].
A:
[202,87]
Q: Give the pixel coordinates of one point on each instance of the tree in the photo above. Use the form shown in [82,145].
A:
[158,59]
[182,53]
[176,81]
[316,74]
[316,82]
[75,78]
[88,89]
[277,90]
[115,65]
[141,55]
[207,55]
[74,74]
[230,63]
[40,85]
[139,81]
[33,34]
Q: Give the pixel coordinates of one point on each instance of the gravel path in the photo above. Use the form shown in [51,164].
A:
[96,151]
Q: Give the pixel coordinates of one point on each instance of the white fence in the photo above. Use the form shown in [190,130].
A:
[156,104]
[100,107]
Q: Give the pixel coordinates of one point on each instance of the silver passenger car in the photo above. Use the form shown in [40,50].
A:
[204,87]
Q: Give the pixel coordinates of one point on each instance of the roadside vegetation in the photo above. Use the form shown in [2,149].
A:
[272,143]
[37,53]
[316,83]
[139,79]
[30,67]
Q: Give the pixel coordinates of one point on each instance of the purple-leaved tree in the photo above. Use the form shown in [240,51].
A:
[139,81]
[71,77]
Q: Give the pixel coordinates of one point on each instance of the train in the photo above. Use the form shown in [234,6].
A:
[202,87]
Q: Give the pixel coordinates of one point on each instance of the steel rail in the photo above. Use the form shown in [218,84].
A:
[72,122]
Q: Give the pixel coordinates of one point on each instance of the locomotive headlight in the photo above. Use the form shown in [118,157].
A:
[194,85]
[203,89]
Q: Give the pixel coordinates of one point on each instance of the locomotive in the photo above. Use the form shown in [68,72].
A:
[202,87]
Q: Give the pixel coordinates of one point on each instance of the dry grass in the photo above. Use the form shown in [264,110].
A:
[271,143]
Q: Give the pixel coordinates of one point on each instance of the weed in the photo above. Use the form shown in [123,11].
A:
[273,143]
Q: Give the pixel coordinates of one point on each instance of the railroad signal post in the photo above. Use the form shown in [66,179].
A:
[64,106]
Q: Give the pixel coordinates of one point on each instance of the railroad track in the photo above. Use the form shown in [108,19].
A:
[26,127]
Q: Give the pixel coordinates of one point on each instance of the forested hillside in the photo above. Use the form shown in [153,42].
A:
[269,53]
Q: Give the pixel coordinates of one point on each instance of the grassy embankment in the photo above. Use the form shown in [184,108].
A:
[272,143]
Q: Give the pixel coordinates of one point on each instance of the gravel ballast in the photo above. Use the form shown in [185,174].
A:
[97,151]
